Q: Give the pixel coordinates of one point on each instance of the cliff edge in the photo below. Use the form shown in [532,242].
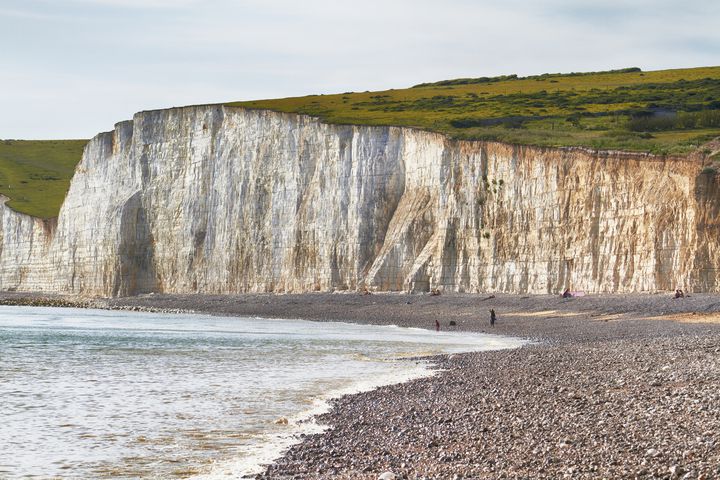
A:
[217,199]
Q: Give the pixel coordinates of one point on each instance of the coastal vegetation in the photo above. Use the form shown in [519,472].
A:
[662,112]
[35,174]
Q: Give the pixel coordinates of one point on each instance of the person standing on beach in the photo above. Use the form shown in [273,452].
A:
[492,317]
[437,325]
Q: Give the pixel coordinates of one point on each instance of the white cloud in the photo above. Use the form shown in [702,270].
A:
[136,4]
[22,14]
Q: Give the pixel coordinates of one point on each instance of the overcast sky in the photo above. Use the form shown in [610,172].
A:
[73,68]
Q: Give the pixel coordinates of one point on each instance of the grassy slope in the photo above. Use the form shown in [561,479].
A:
[36,174]
[553,110]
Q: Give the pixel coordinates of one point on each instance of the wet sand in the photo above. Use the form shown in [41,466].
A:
[615,386]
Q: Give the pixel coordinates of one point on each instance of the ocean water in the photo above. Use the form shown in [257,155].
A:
[103,394]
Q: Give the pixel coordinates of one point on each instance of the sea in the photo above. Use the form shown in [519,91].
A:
[112,394]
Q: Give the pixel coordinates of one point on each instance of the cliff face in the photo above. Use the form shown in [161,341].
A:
[222,200]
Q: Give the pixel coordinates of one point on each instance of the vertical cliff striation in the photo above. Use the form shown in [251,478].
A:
[215,199]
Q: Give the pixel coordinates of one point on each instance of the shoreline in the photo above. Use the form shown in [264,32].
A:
[540,317]
[614,387]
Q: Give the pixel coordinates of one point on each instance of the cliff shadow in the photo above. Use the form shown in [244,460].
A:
[136,271]
[706,263]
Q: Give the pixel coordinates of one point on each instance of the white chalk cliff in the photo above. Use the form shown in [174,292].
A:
[213,199]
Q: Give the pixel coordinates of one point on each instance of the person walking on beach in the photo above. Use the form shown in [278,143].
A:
[437,325]
[492,317]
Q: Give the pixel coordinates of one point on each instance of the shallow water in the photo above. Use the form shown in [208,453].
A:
[100,394]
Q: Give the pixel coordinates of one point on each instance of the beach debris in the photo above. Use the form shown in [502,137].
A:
[434,292]
[452,323]
[281,421]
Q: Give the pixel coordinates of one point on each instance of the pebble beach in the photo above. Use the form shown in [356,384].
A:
[612,386]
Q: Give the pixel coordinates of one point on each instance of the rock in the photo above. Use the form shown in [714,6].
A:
[281,421]
[387,476]
[268,201]
[675,471]
[652,452]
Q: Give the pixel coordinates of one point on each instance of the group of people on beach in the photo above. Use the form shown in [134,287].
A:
[493,317]
[566,294]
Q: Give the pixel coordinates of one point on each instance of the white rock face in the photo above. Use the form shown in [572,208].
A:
[221,200]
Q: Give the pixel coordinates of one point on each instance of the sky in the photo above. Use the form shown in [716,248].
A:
[73,68]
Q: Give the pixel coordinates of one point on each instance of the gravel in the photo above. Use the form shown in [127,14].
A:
[608,409]
[603,393]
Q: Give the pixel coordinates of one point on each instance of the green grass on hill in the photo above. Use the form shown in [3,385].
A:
[36,174]
[665,112]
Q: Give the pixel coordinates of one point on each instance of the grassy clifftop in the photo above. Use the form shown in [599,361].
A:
[667,111]
[36,174]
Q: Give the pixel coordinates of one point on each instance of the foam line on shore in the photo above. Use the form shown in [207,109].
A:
[255,458]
